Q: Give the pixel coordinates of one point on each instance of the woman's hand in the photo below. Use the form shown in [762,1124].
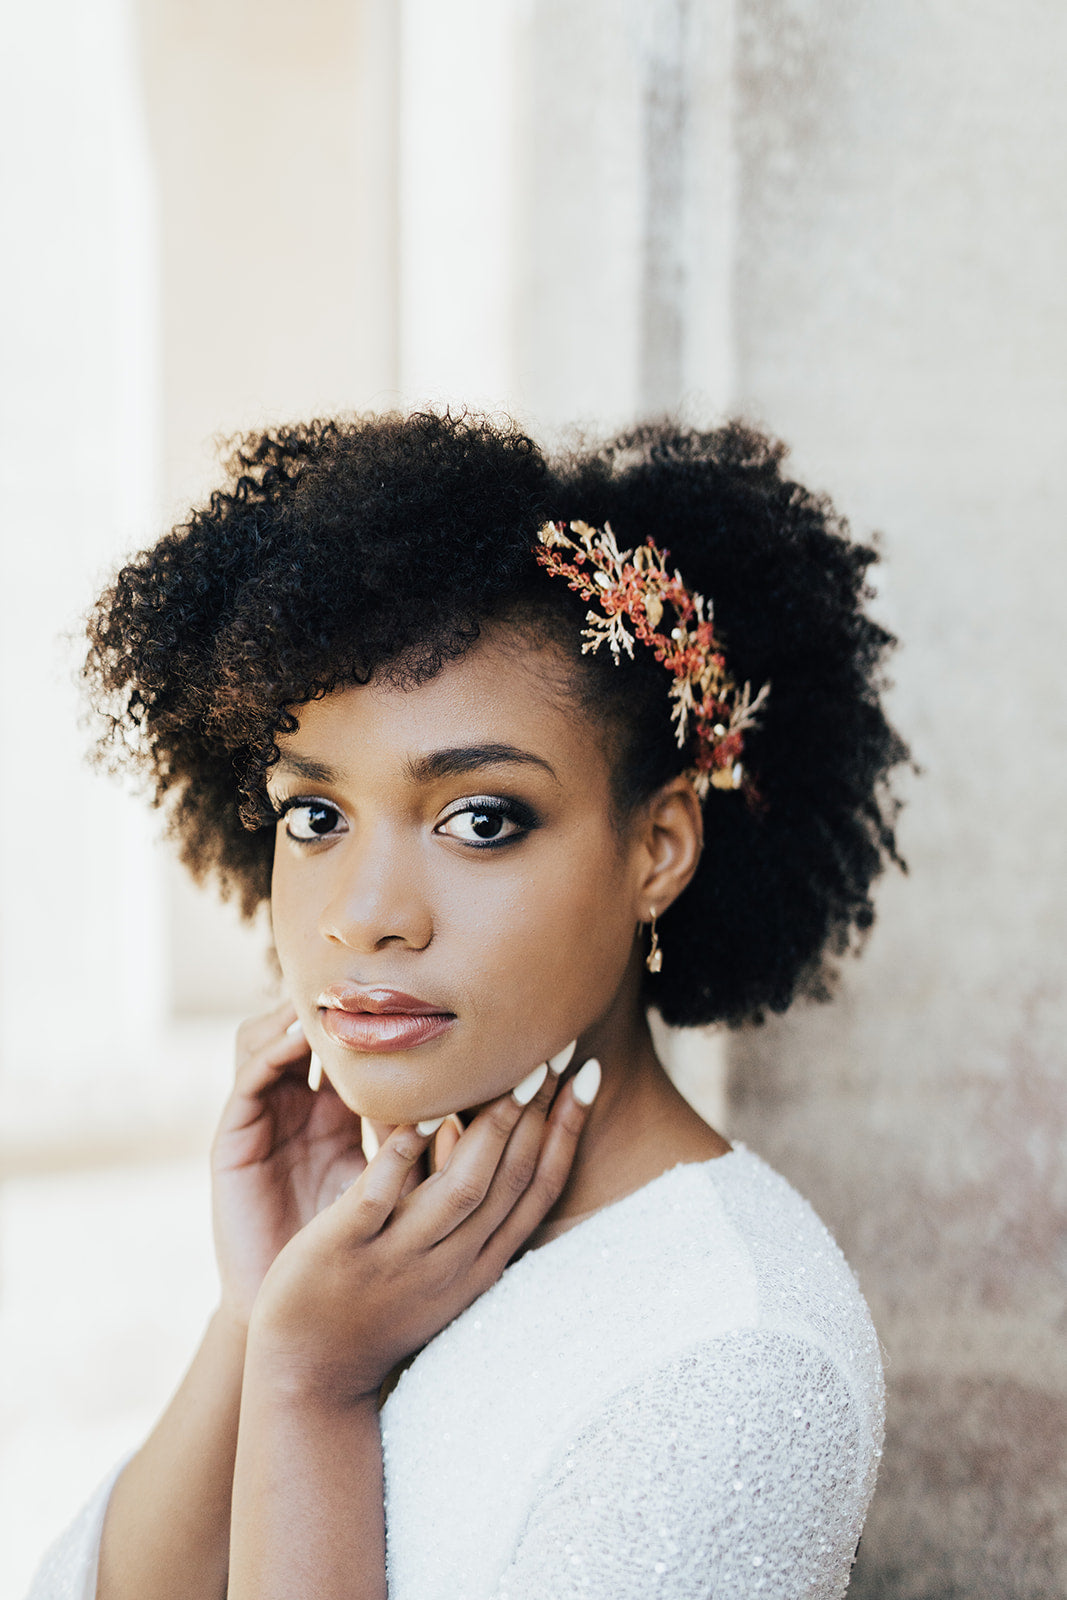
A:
[281,1154]
[381,1270]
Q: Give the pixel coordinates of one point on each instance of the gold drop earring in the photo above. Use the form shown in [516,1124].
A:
[654,959]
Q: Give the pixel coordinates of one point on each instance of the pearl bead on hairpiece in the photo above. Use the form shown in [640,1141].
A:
[633,589]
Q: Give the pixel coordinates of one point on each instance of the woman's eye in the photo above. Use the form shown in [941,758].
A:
[483,825]
[310,819]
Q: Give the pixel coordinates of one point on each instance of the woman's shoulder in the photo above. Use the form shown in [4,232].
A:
[729,1236]
[708,1255]
[801,1274]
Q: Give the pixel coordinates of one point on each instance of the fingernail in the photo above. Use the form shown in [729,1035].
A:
[529,1086]
[294,1028]
[428,1127]
[315,1074]
[559,1063]
[586,1082]
[369,1140]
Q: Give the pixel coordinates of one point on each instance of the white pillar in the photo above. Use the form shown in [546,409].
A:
[80,962]
[457,201]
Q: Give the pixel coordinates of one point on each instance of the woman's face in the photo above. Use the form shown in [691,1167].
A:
[451,900]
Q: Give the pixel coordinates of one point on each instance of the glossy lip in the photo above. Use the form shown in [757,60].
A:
[380,1021]
[379,1002]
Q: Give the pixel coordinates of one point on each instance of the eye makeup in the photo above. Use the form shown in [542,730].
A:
[320,822]
[482,822]
[489,816]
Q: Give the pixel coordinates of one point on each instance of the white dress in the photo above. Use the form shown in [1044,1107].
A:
[680,1397]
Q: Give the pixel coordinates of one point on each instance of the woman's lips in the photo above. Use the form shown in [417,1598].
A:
[379,1020]
[363,1030]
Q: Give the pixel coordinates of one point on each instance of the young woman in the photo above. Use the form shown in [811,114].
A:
[514,749]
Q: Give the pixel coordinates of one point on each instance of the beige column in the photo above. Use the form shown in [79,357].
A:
[901,317]
[274,136]
[81,982]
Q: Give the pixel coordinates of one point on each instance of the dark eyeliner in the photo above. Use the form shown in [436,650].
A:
[282,809]
[517,811]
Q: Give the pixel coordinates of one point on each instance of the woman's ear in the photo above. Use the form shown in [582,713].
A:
[672,838]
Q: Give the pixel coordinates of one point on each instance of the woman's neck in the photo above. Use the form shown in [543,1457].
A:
[639,1125]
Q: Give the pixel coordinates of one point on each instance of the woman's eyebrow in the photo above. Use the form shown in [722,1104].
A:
[429,768]
[304,767]
[451,763]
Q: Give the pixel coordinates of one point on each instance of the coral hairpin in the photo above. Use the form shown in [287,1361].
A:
[633,590]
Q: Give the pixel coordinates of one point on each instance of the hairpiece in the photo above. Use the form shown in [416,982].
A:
[633,589]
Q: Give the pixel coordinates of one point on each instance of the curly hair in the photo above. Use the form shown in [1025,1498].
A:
[346,548]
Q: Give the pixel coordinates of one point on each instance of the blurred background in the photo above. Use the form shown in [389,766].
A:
[843,219]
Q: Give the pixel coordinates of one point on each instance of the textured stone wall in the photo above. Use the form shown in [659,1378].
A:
[900,317]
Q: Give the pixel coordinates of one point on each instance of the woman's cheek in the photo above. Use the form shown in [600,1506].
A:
[572,951]
[297,941]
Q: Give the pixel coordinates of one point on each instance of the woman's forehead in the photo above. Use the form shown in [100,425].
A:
[505,695]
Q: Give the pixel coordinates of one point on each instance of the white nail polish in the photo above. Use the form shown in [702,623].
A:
[294,1028]
[430,1126]
[529,1086]
[586,1082]
[369,1140]
[559,1063]
[315,1074]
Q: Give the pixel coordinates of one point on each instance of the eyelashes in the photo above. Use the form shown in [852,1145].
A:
[307,820]
[480,822]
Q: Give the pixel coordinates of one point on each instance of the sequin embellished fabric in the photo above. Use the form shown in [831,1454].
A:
[68,1570]
[679,1398]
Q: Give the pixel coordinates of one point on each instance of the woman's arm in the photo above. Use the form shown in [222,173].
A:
[280,1156]
[366,1283]
[166,1533]
[308,1499]
[742,1467]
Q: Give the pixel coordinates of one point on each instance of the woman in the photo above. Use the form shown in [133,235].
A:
[507,775]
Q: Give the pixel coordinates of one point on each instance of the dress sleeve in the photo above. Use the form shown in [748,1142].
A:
[68,1569]
[741,1469]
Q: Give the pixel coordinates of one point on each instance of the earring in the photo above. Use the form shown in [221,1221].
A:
[654,959]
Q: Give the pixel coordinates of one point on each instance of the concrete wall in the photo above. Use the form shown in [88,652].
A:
[901,318]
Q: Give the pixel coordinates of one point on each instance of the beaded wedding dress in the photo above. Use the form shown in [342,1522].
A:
[680,1397]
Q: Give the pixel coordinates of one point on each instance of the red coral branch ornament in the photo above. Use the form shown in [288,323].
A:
[633,588]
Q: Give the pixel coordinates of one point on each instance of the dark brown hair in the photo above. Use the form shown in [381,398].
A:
[340,549]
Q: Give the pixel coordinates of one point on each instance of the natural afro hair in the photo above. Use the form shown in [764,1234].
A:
[346,548]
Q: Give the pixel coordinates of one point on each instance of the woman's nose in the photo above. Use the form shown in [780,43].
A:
[377,896]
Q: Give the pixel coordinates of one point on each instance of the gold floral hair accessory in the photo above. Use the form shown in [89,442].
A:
[633,589]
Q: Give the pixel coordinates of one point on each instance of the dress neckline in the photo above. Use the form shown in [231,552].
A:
[526,1262]
[589,1217]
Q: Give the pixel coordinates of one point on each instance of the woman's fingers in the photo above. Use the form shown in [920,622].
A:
[370,1201]
[445,1141]
[554,1162]
[454,1192]
[500,1176]
[277,1051]
[515,1168]
[255,1032]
